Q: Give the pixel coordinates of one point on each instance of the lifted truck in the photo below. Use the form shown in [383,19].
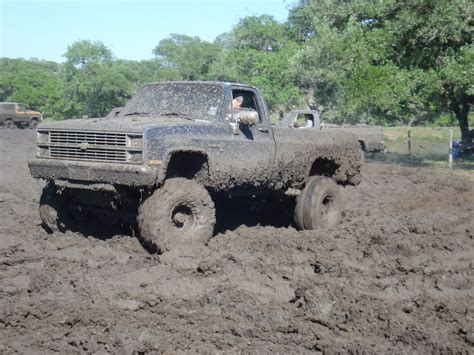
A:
[370,137]
[176,144]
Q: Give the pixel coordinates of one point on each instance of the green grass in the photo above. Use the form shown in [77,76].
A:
[430,147]
[421,134]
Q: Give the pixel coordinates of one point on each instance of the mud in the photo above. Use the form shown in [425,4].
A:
[397,276]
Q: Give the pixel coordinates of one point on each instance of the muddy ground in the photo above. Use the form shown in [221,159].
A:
[397,276]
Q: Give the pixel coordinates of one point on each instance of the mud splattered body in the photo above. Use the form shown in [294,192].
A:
[192,120]
[370,137]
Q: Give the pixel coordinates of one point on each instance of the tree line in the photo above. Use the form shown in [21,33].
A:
[382,62]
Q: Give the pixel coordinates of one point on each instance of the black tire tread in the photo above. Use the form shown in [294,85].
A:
[305,206]
[154,215]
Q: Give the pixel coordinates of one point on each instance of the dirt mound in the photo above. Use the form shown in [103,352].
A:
[397,276]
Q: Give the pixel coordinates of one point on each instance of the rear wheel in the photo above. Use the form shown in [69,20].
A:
[9,124]
[319,205]
[181,212]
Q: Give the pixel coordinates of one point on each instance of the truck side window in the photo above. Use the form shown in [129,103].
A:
[305,120]
[8,107]
[244,100]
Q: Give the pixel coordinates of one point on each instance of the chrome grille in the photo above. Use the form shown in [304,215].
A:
[90,146]
[93,138]
[89,154]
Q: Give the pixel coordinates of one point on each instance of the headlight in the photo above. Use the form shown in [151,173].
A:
[135,141]
[43,137]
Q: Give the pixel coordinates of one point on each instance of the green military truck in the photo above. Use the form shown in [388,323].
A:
[14,114]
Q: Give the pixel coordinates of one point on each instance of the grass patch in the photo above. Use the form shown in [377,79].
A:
[421,134]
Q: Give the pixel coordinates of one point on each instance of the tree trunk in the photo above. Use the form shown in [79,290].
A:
[461,110]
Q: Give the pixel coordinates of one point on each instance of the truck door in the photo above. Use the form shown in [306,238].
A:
[248,150]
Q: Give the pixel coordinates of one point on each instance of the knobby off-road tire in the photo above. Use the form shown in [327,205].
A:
[179,213]
[10,124]
[33,123]
[319,205]
[53,209]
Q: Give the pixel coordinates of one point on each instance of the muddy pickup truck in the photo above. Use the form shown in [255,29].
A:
[175,145]
[370,137]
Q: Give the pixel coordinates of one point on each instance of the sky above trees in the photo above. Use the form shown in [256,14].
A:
[44,28]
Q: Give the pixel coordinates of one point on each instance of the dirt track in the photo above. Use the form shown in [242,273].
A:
[396,276]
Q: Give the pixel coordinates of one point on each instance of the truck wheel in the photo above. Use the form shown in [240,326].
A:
[33,123]
[319,205]
[181,212]
[53,209]
[9,124]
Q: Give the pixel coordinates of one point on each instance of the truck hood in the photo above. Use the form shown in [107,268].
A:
[127,124]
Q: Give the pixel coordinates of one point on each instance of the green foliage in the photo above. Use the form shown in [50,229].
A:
[258,52]
[38,84]
[82,52]
[187,58]
[94,82]
[385,61]
[262,33]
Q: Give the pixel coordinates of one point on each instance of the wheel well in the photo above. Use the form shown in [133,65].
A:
[323,167]
[187,164]
[34,119]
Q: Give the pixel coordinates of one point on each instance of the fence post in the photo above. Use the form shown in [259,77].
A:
[450,159]
[409,142]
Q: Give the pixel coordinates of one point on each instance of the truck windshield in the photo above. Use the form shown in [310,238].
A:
[186,100]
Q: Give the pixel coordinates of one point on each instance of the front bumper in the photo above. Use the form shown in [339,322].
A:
[89,172]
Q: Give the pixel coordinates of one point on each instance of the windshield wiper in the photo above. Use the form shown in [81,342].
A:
[136,113]
[177,114]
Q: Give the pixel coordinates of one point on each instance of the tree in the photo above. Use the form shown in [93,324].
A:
[262,33]
[258,52]
[83,52]
[392,60]
[36,83]
[186,57]
[95,83]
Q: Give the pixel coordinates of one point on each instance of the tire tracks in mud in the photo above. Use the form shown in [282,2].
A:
[396,276]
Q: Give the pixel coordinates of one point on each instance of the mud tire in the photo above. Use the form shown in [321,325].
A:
[179,213]
[53,209]
[33,123]
[319,205]
[9,124]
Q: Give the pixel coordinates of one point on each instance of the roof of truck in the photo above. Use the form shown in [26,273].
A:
[198,82]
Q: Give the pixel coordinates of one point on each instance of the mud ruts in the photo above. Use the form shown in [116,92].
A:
[395,277]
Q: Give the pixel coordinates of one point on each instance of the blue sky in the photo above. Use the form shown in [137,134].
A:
[131,29]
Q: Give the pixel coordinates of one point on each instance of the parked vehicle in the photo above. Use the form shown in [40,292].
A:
[175,145]
[14,114]
[370,137]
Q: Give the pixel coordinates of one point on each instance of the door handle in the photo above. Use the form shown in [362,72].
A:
[264,130]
